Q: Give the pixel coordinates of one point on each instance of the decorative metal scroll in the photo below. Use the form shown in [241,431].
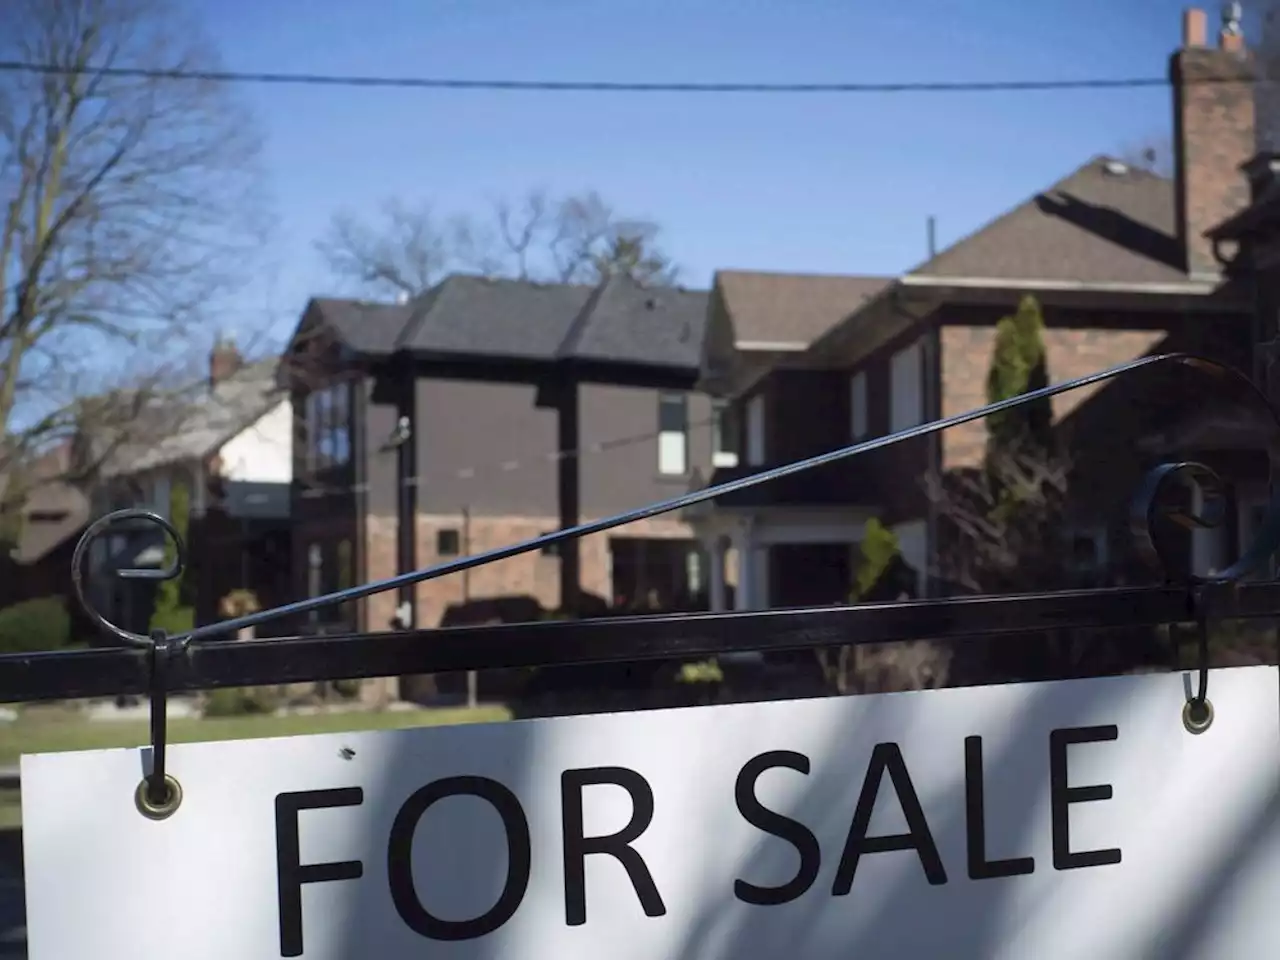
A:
[184,662]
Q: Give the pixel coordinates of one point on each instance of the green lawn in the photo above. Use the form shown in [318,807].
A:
[48,730]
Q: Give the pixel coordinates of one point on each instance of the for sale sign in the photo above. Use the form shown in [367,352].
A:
[1060,820]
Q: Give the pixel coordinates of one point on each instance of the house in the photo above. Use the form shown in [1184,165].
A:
[54,513]
[493,411]
[1120,263]
[228,442]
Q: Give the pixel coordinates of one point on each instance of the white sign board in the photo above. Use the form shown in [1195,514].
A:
[1059,820]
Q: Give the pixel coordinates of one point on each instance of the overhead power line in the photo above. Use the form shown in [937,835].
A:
[597,86]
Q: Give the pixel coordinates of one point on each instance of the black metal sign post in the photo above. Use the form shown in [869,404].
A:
[198,660]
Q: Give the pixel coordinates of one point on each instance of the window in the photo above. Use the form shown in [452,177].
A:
[328,419]
[673,434]
[755,430]
[315,569]
[47,516]
[448,543]
[858,405]
[1087,550]
[723,446]
[906,403]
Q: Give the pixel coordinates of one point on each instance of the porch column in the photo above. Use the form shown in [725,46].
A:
[744,544]
[716,553]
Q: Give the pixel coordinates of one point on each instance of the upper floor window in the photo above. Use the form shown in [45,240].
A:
[858,427]
[673,434]
[724,452]
[328,413]
[906,388]
[755,430]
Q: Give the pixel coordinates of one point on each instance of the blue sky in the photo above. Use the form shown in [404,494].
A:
[826,183]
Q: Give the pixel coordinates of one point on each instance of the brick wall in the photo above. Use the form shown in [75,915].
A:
[1214,132]
[530,574]
[966,358]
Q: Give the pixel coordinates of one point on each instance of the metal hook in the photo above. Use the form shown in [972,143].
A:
[1207,601]
[159,795]
[1147,509]
[92,533]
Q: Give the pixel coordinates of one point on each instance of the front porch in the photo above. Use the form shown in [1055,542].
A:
[780,556]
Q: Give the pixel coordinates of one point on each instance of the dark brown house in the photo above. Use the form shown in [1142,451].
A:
[491,412]
[1119,261]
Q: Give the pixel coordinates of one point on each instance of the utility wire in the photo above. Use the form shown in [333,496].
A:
[316,490]
[597,86]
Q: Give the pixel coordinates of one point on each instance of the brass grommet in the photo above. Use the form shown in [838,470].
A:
[166,808]
[1197,715]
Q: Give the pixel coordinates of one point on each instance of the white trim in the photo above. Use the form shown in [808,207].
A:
[1198,287]
[906,388]
[769,526]
[779,346]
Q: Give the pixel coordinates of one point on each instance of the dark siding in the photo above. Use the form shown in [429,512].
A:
[380,459]
[494,429]
[623,474]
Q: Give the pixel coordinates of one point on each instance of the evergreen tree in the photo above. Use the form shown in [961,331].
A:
[173,611]
[1018,366]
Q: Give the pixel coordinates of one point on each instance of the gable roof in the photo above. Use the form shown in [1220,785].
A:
[1106,222]
[192,425]
[790,308]
[364,326]
[619,321]
[628,322]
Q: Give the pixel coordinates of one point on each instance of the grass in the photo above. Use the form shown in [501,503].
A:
[53,730]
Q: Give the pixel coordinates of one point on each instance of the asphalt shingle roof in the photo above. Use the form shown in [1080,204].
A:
[173,429]
[367,327]
[791,307]
[620,321]
[1106,222]
[630,323]
[498,318]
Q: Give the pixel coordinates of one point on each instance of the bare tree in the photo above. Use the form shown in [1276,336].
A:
[573,239]
[128,205]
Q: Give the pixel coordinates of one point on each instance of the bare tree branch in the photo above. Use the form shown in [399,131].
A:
[574,239]
[128,204]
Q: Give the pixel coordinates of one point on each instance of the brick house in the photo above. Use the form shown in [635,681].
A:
[494,411]
[1120,263]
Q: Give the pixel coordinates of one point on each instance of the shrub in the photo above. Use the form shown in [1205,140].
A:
[40,624]
[878,548]
[239,701]
[173,613]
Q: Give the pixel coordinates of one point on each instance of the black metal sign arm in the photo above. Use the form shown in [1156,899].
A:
[196,663]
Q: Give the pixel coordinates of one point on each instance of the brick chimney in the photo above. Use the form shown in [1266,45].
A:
[224,361]
[1213,130]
